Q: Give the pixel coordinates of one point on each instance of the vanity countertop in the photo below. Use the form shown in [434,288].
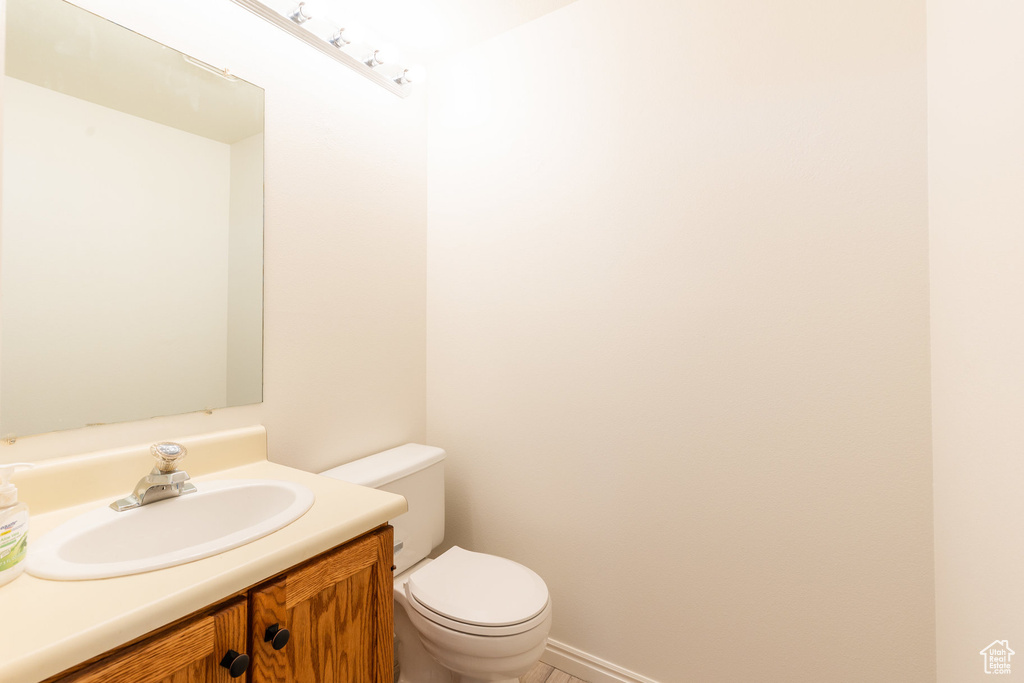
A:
[53,625]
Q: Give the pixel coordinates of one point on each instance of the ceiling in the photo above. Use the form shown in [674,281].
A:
[427,30]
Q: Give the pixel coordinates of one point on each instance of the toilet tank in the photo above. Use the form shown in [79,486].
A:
[417,473]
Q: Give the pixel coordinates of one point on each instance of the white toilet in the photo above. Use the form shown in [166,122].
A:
[465,617]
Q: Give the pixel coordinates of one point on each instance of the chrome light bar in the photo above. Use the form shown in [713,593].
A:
[346,53]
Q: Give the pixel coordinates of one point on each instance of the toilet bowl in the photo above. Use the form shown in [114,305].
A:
[481,617]
[464,617]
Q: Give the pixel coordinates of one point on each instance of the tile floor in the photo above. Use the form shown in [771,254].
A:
[543,673]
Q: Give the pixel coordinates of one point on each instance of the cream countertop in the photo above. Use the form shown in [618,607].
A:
[53,625]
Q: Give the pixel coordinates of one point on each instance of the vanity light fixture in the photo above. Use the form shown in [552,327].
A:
[299,15]
[375,59]
[341,38]
[413,74]
[334,41]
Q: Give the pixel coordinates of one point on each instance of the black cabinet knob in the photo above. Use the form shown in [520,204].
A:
[235,663]
[276,636]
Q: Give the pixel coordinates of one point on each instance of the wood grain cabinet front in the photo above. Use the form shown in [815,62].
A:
[196,651]
[328,620]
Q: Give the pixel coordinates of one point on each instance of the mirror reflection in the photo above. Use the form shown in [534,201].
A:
[131,271]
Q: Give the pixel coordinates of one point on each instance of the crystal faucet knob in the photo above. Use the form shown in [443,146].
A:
[167,454]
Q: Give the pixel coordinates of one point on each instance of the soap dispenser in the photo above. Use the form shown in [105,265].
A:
[13,525]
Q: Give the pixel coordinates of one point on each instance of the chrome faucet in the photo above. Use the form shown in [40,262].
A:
[165,481]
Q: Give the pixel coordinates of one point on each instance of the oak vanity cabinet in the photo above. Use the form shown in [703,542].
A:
[327,620]
[190,652]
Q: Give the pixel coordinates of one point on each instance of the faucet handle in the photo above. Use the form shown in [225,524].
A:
[167,454]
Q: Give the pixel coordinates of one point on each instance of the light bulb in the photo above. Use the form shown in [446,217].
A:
[414,74]
[301,14]
[342,37]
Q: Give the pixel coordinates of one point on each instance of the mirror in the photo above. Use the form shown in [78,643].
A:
[131,229]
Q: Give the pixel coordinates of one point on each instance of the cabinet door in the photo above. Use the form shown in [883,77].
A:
[338,611]
[188,653]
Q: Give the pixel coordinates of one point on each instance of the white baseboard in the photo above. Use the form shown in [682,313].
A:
[588,667]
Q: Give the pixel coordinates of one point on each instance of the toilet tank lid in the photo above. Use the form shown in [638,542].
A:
[387,466]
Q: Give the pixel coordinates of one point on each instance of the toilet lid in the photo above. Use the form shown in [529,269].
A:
[479,589]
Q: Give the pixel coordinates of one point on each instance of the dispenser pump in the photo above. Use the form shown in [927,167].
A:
[8,491]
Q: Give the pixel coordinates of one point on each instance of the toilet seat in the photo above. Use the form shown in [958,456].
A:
[478,594]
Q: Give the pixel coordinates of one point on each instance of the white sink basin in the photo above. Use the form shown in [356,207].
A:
[220,516]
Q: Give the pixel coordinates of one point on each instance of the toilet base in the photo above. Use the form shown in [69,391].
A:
[415,665]
[422,645]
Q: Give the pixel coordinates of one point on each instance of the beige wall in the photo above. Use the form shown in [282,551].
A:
[678,330]
[678,296]
[976,175]
[345,244]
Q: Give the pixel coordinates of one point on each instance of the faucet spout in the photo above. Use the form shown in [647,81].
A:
[165,481]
